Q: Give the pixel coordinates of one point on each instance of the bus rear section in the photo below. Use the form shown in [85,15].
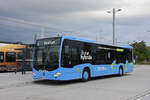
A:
[8,56]
[73,58]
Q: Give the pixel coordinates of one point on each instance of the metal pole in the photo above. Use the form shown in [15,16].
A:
[42,32]
[96,38]
[114,25]
[33,49]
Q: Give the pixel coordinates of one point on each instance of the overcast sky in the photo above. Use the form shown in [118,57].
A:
[88,19]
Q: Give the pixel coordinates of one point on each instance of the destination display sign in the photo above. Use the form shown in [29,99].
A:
[48,41]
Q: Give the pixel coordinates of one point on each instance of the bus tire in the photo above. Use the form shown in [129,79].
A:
[85,75]
[121,73]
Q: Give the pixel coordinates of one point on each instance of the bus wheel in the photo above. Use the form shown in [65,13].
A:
[121,71]
[85,75]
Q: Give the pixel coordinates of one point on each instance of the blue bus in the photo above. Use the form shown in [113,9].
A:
[69,58]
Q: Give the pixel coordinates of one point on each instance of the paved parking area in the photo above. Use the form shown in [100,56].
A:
[132,86]
[10,78]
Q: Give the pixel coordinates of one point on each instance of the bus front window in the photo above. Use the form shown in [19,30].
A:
[39,56]
[47,55]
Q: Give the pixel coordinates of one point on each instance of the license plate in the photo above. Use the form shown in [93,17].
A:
[43,77]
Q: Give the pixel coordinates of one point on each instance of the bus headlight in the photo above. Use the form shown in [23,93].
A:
[57,74]
[33,74]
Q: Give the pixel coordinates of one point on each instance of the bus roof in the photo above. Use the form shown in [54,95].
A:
[10,47]
[91,41]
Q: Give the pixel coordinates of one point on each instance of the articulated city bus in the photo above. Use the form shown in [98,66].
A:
[9,55]
[68,58]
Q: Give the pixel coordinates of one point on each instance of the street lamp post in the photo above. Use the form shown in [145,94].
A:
[114,15]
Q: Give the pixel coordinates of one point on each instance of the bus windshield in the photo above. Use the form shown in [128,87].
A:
[48,55]
[47,52]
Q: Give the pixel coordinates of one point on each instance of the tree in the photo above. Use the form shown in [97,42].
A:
[141,52]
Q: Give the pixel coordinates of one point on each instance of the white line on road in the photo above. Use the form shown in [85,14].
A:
[141,95]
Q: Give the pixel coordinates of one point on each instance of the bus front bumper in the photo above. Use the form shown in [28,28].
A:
[55,75]
[46,76]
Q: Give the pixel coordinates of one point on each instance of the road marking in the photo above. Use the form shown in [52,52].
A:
[141,95]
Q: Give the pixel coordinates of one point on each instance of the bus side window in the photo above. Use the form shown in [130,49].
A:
[108,57]
[10,57]
[113,56]
[121,57]
[19,56]
[70,56]
[1,56]
[74,56]
[129,56]
[101,56]
[66,56]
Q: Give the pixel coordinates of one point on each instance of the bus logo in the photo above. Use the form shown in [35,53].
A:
[85,55]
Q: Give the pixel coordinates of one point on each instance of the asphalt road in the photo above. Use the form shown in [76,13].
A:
[132,86]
